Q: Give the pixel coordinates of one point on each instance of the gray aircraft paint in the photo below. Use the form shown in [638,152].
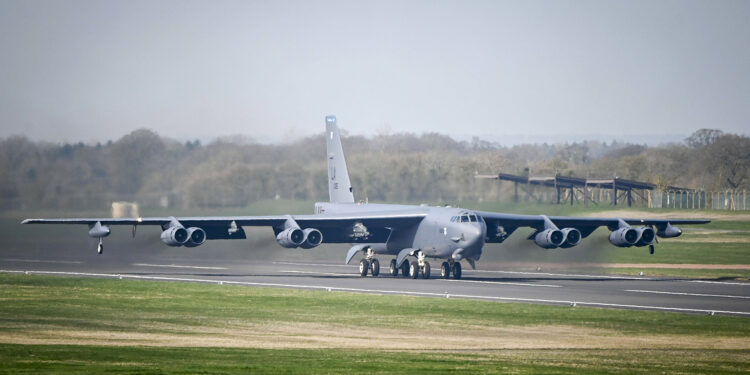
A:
[448,233]
[339,186]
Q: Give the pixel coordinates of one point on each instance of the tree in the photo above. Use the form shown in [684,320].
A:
[703,137]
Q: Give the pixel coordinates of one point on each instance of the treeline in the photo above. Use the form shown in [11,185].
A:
[233,172]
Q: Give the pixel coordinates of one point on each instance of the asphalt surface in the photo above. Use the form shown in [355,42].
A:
[501,285]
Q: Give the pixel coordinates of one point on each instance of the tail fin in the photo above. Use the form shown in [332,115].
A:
[339,186]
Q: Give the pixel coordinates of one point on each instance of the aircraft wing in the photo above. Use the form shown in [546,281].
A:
[336,228]
[500,225]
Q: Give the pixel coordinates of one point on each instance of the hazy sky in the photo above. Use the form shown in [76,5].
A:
[96,70]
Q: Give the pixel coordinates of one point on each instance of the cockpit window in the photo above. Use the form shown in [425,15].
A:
[464,219]
[473,218]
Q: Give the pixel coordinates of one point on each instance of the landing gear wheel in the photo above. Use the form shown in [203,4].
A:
[393,269]
[375,267]
[426,271]
[414,270]
[456,270]
[100,248]
[445,270]
[364,266]
[405,268]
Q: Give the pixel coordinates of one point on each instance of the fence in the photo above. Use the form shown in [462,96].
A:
[730,200]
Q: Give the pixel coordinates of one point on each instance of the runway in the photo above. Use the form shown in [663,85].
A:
[569,289]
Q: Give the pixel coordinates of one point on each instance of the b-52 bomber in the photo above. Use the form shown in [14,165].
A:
[409,234]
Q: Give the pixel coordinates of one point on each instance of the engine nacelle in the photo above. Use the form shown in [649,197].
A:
[313,238]
[196,237]
[624,237]
[572,237]
[549,238]
[669,231]
[646,236]
[291,238]
[174,236]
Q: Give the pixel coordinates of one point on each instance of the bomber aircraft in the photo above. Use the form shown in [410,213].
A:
[402,231]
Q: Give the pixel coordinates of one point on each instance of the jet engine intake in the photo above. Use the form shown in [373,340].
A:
[313,238]
[646,236]
[196,237]
[291,237]
[549,238]
[572,237]
[174,236]
[624,237]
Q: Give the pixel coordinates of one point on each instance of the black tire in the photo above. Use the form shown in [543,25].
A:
[364,266]
[426,271]
[393,269]
[414,270]
[100,249]
[456,271]
[375,267]
[445,270]
[405,268]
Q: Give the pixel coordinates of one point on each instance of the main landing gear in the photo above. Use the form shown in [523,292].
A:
[393,268]
[372,266]
[418,266]
[450,267]
[369,264]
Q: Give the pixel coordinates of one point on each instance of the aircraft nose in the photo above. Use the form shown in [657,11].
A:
[472,237]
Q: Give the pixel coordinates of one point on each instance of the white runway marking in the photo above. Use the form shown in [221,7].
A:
[716,282]
[568,275]
[685,294]
[315,264]
[42,261]
[379,291]
[501,283]
[320,273]
[178,266]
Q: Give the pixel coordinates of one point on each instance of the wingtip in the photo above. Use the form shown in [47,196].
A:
[26,221]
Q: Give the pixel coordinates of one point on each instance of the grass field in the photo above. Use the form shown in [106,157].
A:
[80,325]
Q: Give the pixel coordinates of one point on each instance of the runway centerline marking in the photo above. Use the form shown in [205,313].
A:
[42,261]
[178,266]
[384,291]
[685,294]
[501,283]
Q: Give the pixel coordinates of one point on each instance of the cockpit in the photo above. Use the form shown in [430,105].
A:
[466,217]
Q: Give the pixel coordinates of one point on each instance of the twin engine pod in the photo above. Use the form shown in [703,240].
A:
[294,237]
[180,236]
[629,236]
[554,238]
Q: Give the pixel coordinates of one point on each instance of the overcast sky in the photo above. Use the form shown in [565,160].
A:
[96,70]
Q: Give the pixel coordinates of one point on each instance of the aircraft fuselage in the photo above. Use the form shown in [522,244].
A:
[445,232]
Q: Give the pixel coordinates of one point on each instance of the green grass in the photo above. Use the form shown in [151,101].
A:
[33,304]
[684,252]
[68,359]
[128,305]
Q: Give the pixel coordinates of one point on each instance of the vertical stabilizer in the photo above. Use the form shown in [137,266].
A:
[339,186]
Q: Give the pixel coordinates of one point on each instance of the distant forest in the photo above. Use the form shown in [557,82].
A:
[234,172]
